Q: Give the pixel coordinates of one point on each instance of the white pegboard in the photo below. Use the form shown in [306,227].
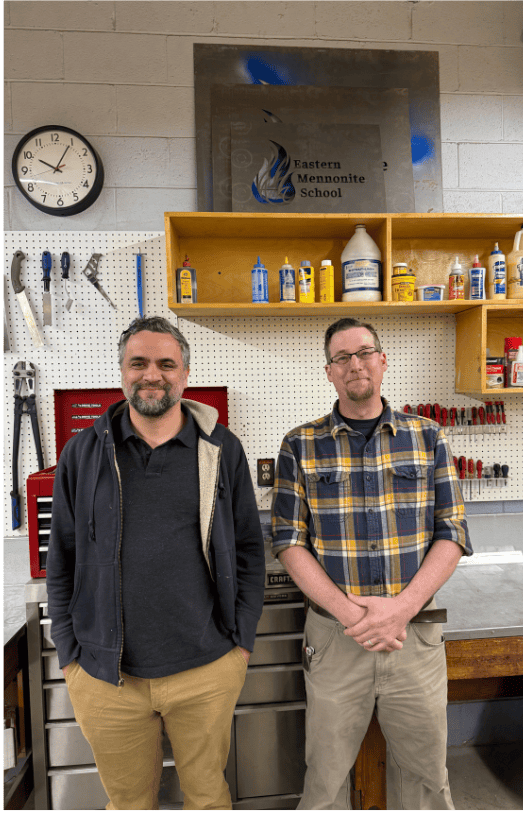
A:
[273,368]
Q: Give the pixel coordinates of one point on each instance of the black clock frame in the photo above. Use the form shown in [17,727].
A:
[83,204]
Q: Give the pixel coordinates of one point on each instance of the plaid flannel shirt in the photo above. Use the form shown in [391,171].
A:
[368,510]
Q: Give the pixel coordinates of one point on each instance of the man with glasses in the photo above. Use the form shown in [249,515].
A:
[155,578]
[369,521]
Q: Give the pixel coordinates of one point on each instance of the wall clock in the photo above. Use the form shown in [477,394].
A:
[57,170]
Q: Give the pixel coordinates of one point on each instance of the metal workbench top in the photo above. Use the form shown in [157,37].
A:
[482,601]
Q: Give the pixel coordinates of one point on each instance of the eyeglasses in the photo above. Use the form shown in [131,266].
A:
[364,355]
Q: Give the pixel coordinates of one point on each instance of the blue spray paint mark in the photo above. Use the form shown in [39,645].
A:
[422,148]
[263,73]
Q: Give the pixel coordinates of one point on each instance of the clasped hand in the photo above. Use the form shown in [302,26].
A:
[383,627]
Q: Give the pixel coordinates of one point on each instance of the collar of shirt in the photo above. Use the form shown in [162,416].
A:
[387,419]
[187,435]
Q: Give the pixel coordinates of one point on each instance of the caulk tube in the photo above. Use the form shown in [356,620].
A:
[477,280]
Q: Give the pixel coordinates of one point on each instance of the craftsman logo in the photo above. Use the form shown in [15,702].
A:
[276,580]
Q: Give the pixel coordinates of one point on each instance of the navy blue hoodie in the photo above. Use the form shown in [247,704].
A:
[83,562]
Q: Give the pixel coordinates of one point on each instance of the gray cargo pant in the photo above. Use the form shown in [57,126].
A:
[408,687]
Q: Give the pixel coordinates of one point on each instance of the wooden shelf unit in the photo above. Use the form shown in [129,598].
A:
[224,246]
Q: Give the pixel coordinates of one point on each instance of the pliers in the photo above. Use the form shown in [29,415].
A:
[23,372]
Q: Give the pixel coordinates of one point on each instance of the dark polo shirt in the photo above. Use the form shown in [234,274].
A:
[169,617]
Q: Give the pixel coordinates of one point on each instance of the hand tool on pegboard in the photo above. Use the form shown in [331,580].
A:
[21,295]
[91,272]
[65,264]
[139,282]
[24,373]
[7,346]
[47,263]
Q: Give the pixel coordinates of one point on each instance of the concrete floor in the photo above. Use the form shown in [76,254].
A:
[488,777]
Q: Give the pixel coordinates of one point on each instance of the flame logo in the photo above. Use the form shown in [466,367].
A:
[272,184]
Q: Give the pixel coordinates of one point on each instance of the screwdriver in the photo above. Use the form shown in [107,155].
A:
[444,416]
[462,467]
[428,411]
[437,413]
[471,469]
[479,466]
[421,410]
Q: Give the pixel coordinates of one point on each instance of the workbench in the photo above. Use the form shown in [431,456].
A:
[484,646]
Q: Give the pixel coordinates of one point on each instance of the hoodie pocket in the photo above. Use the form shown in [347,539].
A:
[93,605]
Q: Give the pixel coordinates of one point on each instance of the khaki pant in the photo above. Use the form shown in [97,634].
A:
[407,687]
[123,727]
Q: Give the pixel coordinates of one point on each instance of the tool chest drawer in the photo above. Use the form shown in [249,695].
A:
[284,647]
[273,684]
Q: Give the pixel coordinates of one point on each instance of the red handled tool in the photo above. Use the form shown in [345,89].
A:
[470,467]
[462,467]
[408,409]
[436,410]
[503,416]
[479,467]
[444,416]
[427,411]
[453,415]
[421,410]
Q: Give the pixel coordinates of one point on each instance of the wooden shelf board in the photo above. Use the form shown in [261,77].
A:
[318,308]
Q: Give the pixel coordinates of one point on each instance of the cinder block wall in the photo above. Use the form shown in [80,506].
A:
[122,74]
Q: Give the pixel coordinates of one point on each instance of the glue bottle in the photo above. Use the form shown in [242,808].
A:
[477,280]
[515,268]
[287,282]
[186,290]
[456,281]
[260,283]
[306,282]
[497,274]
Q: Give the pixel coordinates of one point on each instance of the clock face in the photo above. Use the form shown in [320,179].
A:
[57,170]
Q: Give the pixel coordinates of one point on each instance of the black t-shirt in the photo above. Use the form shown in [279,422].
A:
[366,427]
[169,612]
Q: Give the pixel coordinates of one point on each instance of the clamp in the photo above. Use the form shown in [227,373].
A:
[23,372]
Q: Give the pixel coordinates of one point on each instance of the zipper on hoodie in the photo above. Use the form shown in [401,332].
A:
[120,678]
[208,540]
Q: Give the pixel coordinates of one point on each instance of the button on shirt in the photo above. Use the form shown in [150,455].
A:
[169,615]
[368,510]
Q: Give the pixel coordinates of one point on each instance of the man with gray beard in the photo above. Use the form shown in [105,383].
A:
[155,577]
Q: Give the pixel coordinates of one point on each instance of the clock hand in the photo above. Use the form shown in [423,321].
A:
[49,165]
[61,159]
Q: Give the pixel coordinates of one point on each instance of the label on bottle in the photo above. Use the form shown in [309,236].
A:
[306,283]
[457,286]
[287,285]
[185,287]
[361,275]
[260,285]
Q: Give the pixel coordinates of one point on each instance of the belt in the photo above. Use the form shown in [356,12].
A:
[423,617]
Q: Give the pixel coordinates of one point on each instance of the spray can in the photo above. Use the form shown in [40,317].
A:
[456,281]
[515,268]
[260,283]
[477,280]
[186,290]
[287,282]
[361,268]
[306,282]
[497,274]
[326,281]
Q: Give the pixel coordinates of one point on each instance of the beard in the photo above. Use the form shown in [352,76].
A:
[152,407]
[360,396]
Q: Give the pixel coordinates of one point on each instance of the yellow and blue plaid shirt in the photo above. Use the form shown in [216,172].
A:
[368,510]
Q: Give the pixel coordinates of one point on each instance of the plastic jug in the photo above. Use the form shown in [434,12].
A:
[361,268]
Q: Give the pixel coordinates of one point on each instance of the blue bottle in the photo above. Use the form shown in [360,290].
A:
[260,283]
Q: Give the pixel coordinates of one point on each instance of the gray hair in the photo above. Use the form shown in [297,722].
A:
[345,324]
[156,324]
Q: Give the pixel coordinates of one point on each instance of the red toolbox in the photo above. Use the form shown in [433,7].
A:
[75,410]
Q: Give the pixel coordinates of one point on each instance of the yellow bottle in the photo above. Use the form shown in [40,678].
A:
[306,282]
[326,281]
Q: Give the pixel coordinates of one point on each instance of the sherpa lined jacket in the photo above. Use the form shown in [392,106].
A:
[83,562]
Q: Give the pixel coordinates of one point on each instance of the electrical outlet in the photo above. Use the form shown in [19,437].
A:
[266,472]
